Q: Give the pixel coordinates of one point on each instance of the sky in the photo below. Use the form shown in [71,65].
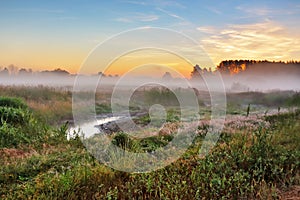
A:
[61,34]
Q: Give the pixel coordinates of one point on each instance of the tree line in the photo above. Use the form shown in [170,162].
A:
[240,67]
[226,67]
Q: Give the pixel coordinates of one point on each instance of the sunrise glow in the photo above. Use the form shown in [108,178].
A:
[52,35]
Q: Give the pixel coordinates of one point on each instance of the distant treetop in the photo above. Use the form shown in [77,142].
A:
[237,66]
[57,71]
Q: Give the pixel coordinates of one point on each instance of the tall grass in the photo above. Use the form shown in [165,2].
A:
[53,105]
[38,162]
[243,165]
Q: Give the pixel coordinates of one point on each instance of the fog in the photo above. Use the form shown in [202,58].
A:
[261,83]
[261,77]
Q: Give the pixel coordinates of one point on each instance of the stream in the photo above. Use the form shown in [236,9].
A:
[105,123]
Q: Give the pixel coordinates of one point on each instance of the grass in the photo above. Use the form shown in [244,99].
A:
[268,99]
[237,167]
[18,125]
[172,115]
[12,102]
[52,105]
[249,164]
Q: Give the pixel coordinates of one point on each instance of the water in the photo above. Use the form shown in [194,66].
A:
[90,128]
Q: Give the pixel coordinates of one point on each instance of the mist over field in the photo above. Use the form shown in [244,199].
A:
[237,76]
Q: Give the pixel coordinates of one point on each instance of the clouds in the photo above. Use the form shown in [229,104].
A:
[207,29]
[214,10]
[142,17]
[135,2]
[264,40]
[162,6]
[155,3]
[138,17]
[170,14]
[44,34]
[262,10]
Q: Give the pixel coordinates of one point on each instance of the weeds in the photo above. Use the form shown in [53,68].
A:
[247,163]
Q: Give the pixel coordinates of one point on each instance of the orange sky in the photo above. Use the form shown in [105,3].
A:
[151,63]
[50,35]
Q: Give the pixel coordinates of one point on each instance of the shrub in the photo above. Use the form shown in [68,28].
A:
[153,143]
[18,124]
[161,96]
[122,140]
[14,116]
[12,102]
[10,136]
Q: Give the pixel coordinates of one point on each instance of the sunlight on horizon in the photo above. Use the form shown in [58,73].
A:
[49,36]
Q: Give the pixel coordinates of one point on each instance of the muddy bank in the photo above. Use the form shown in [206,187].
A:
[124,123]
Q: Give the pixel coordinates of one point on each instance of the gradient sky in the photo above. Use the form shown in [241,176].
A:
[49,34]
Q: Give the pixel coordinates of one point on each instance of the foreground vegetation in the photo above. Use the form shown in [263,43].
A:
[38,162]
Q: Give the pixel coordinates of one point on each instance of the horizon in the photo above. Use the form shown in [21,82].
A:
[237,75]
[16,70]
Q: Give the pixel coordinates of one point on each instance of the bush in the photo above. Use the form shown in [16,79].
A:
[14,111]
[12,102]
[161,96]
[14,116]
[10,136]
[153,143]
[18,124]
[123,141]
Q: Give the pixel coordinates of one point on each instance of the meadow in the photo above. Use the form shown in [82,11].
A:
[256,157]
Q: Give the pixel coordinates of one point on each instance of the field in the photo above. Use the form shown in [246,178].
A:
[256,157]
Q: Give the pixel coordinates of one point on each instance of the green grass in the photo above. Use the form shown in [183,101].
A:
[38,93]
[147,144]
[103,108]
[16,123]
[294,100]
[242,165]
[12,102]
[247,164]
[172,115]
[52,105]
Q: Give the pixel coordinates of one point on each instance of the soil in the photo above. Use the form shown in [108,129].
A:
[292,193]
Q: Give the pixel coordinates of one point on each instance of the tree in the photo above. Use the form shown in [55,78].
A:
[4,72]
[57,71]
[24,71]
[60,71]
[12,69]
[101,74]
[197,73]
[167,76]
